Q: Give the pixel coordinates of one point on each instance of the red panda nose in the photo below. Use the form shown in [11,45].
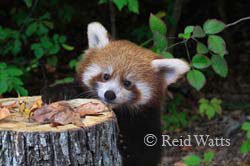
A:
[109,95]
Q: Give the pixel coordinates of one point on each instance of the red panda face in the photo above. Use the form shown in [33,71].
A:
[119,76]
[122,73]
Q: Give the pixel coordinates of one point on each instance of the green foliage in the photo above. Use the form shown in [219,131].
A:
[133,5]
[198,32]
[219,65]
[73,62]
[196,79]
[157,25]
[31,39]
[64,81]
[160,41]
[200,61]
[216,44]
[67,47]
[201,48]
[28,3]
[174,119]
[159,30]
[210,108]
[10,79]
[193,160]
[213,26]
[245,147]
[187,32]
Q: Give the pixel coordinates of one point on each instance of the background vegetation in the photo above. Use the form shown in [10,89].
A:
[41,42]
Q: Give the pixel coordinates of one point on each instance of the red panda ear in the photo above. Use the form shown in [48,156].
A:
[97,35]
[172,68]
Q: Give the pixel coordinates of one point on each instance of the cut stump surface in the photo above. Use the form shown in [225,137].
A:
[23,143]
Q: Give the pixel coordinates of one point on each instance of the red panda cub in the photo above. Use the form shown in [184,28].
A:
[132,80]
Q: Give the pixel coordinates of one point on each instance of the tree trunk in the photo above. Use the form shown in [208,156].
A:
[26,144]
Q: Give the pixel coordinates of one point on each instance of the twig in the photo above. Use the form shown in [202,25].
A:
[177,9]
[173,45]
[146,42]
[186,47]
[112,18]
[238,21]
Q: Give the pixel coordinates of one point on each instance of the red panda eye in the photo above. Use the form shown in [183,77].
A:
[106,76]
[127,83]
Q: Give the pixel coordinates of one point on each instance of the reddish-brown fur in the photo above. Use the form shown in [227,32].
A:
[126,57]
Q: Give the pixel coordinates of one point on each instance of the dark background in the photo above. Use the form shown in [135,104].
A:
[70,19]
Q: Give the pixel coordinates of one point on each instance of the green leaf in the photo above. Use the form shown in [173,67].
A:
[2,65]
[55,37]
[42,29]
[219,65]
[17,81]
[72,63]
[184,35]
[217,44]
[216,101]
[20,90]
[217,108]
[248,134]
[192,160]
[13,71]
[198,32]
[246,126]
[39,52]
[196,79]
[201,48]
[210,111]
[4,33]
[203,101]
[102,1]
[208,157]
[245,147]
[3,86]
[45,42]
[4,75]
[213,26]
[31,29]
[65,80]
[157,25]
[67,47]
[28,3]
[62,39]
[160,41]
[35,46]
[167,55]
[203,108]
[54,49]
[120,3]
[200,61]
[133,6]
[189,29]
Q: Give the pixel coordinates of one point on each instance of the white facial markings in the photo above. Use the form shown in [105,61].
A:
[122,95]
[90,72]
[108,70]
[145,90]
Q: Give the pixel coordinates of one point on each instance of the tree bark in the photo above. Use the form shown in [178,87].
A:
[25,144]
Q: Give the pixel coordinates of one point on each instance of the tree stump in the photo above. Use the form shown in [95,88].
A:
[26,144]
